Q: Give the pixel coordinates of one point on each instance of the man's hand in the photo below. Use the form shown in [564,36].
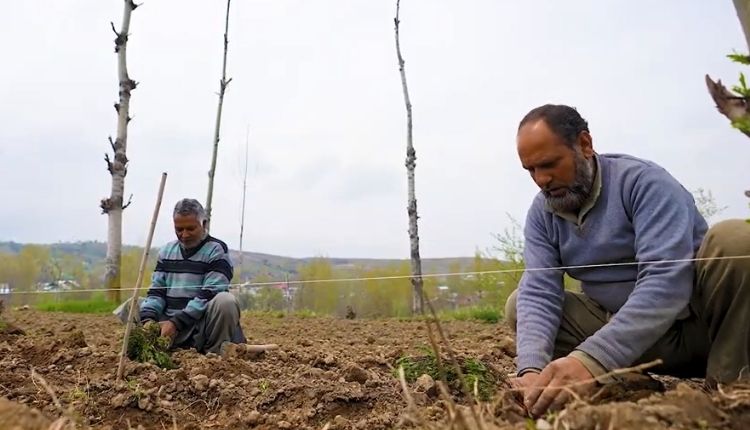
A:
[541,391]
[168,329]
[528,380]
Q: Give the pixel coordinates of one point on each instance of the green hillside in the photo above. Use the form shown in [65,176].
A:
[254,264]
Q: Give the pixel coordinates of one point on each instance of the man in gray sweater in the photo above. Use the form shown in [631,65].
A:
[656,282]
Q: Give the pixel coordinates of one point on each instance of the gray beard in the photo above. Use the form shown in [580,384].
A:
[579,191]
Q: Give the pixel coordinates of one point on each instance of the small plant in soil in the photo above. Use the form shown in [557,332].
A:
[263,385]
[145,345]
[78,394]
[476,373]
[135,389]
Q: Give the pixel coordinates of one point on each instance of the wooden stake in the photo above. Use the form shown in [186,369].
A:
[141,269]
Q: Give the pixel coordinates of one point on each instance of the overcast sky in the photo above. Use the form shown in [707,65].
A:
[318,85]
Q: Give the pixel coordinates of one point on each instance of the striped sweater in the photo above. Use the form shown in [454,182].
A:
[184,281]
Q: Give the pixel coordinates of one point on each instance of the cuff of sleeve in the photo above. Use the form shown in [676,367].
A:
[528,370]
[182,321]
[593,366]
[148,316]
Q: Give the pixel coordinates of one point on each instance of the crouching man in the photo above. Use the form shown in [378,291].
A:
[657,282]
[189,296]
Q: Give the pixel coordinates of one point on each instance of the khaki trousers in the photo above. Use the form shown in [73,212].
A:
[713,342]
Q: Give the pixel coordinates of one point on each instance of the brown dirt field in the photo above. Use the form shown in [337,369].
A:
[328,373]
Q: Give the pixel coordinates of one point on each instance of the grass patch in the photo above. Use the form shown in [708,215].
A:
[145,345]
[305,313]
[488,314]
[265,314]
[96,305]
[3,325]
[475,372]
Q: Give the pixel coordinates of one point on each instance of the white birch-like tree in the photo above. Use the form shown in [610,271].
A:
[223,83]
[411,163]
[117,166]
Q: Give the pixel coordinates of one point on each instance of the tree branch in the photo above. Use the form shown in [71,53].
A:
[130,200]
[735,108]
[121,38]
[106,205]
[109,163]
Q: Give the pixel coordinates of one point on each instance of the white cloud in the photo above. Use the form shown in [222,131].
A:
[317,83]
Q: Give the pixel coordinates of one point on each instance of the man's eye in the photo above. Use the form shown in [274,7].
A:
[549,165]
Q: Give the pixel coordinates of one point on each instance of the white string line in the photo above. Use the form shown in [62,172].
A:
[392,277]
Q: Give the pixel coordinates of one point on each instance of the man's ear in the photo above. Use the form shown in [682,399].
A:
[586,144]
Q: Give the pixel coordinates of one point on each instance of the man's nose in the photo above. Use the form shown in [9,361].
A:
[542,179]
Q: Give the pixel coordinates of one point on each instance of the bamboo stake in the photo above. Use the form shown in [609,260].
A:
[141,269]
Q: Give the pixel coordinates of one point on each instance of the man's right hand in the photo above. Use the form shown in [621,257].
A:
[524,383]
[168,329]
[528,380]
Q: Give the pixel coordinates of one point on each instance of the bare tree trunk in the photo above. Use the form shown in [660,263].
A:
[244,193]
[118,167]
[222,89]
[743,13]
[411,162]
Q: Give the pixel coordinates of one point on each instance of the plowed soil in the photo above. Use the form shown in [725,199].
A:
[328,373]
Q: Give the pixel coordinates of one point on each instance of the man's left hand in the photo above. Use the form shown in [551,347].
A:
[546,394]
[168,329]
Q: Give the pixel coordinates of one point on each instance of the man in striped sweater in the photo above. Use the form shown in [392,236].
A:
[189,295]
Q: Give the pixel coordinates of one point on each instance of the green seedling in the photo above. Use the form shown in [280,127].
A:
[475,372]
[145,345]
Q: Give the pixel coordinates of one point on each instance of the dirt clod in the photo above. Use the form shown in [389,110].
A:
[200,382]
[354,373]
[14,416]
[253,418]
[425,384]
[76,340]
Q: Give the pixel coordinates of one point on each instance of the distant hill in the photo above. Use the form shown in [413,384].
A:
[254,263]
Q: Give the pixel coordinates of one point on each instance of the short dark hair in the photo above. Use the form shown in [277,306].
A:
[564,121]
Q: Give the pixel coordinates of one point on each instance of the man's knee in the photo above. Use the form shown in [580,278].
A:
[728,238]
[225,303]
[510,310]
